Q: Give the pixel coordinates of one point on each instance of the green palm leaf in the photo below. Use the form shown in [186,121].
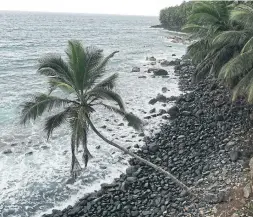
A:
[237,67]
[105,94]
[133,120]
[40,104]
[55,121]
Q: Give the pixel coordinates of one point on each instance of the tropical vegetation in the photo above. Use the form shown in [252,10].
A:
[224,45]
[77,88]
[174,18]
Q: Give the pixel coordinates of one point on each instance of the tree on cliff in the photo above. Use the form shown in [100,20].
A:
[77,87]
[173,18]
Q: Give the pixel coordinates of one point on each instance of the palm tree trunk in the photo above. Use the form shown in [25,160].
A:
[157,168]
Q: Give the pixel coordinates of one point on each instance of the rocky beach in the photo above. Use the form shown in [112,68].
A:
[203,144]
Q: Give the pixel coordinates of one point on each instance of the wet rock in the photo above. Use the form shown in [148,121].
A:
[152,110]
[7,151]
[153,101]
[151,70]
[136,69]
[29,153]
[151,58]
[186,113]
[164,89]
[153,147]
[106,186]
[170,63]
[173,55]
[130,170]
[247,190]
[234,155]
[165,63]
[160,72]
[199,113]
[162,111]
[161,98]
[136,146]
[14,144]
[141,134]
[134,213]
[219,118]
[173,111]
[215,198]
[103,167]
[171,98]
[131,179]
[70,181]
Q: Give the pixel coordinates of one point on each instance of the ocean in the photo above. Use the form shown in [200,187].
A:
[33,178]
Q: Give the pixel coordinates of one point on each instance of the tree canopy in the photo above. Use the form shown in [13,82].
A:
[173,18]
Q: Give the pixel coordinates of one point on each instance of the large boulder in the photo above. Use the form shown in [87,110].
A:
[7,151]
[131,170]
[170,63]
[173,112]
[160,72]
[152,101]
[151,59]
[164,89]
[136,69]
[166,63]
[161,98]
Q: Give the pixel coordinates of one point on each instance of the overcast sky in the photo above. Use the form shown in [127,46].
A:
[129,7]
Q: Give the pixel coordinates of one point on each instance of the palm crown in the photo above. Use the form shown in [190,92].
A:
[79,79]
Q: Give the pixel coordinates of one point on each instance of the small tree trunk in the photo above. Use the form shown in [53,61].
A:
[157,168]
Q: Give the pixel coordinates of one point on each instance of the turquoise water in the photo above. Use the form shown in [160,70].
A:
[33,184]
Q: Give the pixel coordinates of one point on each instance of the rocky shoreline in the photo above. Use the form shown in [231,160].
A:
[201,145]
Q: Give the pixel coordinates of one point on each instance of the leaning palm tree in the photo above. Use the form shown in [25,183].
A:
[79,83]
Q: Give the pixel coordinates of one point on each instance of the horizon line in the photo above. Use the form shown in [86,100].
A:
[83,13]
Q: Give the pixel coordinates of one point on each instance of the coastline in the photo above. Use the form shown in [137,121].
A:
[202,147]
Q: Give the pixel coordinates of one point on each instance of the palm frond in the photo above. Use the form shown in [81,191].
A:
[198,50]
[40,104]
[55,83]
[243,14]
[232,37]
[108,83]
[55,67]
[77,59]
[238,66]
[55,121]
[133,120]
[248,46]
[98,71]
[105,94]
[244,87]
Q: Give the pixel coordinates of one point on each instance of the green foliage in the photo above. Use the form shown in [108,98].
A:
[81,77]
[224,45]
[173,18]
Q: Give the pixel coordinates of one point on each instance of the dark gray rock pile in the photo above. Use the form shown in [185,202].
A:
[197,146]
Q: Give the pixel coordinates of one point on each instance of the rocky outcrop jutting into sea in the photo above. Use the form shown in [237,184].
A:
[201,146]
